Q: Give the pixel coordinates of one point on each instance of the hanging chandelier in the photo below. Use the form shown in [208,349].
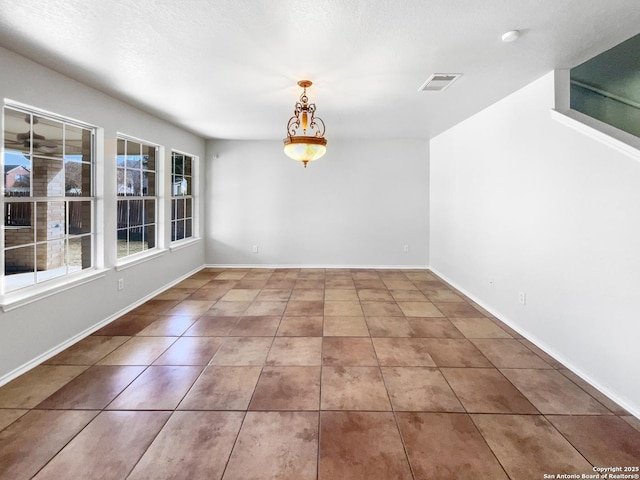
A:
[310,146]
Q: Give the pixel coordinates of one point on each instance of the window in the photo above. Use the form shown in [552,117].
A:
[49,204]
[137,200]
[181,196]
[606,87]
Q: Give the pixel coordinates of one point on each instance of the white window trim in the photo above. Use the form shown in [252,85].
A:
[137,258]
[33,293]
[195,203]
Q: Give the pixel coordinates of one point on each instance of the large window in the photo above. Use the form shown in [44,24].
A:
[181,196]
[48,198]
[137,200]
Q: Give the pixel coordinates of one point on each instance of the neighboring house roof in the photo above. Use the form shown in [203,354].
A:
[9,168]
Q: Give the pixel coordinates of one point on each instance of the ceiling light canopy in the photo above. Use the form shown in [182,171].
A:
[510,36]
[305,147]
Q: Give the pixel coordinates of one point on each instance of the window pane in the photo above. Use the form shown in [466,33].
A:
[79,255]
[18,215]
[47,137]
[149,211]
[179,230]
[148,157]
[17,166]
[188,213]
[17,128]
[135,213]
[177,165]
[50,172]
[18,181]
[149,184]
[149,236]
[123,214]
[173,231]
[179,212]
[135,242]
[179,186]
[123,241]
[187,228]
[17,175]
[77,142]
[121,153]
[186,185]
[77,177]
[133,148]
[50,220]
[133,183]
[133,155]
[50,260]
[79,218]
[120,181]
[19,267]
[187,166]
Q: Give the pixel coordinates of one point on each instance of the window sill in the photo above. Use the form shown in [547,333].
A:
[20,298]
[617,139]
[180,244]
[139,258]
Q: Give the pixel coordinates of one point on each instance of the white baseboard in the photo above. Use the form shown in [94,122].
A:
[633,409]
[24,368]
[328,267]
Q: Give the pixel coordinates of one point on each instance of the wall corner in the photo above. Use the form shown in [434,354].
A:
[562,87]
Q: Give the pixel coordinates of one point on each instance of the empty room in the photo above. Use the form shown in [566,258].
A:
[320,240]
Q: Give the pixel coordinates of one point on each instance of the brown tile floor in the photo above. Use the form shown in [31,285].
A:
[308,374]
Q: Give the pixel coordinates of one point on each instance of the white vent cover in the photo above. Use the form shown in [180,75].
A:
[439,82]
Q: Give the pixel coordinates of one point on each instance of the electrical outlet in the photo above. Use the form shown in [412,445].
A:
[522,298]
[406,249]
[255,249]
[121,284]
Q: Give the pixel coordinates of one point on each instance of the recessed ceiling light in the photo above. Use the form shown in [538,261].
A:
[510,36]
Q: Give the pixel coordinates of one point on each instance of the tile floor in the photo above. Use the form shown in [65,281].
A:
[308,374]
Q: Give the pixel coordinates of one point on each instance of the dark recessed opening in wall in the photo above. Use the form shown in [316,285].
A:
[607,87]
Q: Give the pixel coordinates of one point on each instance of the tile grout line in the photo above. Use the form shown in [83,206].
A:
[319,417]
[324,295]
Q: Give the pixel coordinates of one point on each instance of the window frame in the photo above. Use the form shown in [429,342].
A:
[189,196]
[143,253]
[68,272]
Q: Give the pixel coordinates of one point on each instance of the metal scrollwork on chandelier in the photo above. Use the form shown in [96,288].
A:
[310,146]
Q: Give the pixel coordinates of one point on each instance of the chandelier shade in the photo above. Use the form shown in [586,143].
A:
[311,145]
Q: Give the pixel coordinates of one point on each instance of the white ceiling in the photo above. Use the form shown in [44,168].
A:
[228,68]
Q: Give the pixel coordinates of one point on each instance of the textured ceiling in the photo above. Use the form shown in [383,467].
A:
[228,68]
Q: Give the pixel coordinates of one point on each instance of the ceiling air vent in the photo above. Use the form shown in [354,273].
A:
[439,82]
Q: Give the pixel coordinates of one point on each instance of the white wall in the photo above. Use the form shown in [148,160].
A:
[29,332]
[543,209]
[357,206]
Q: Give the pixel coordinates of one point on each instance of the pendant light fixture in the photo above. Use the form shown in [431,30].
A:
[305,146]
